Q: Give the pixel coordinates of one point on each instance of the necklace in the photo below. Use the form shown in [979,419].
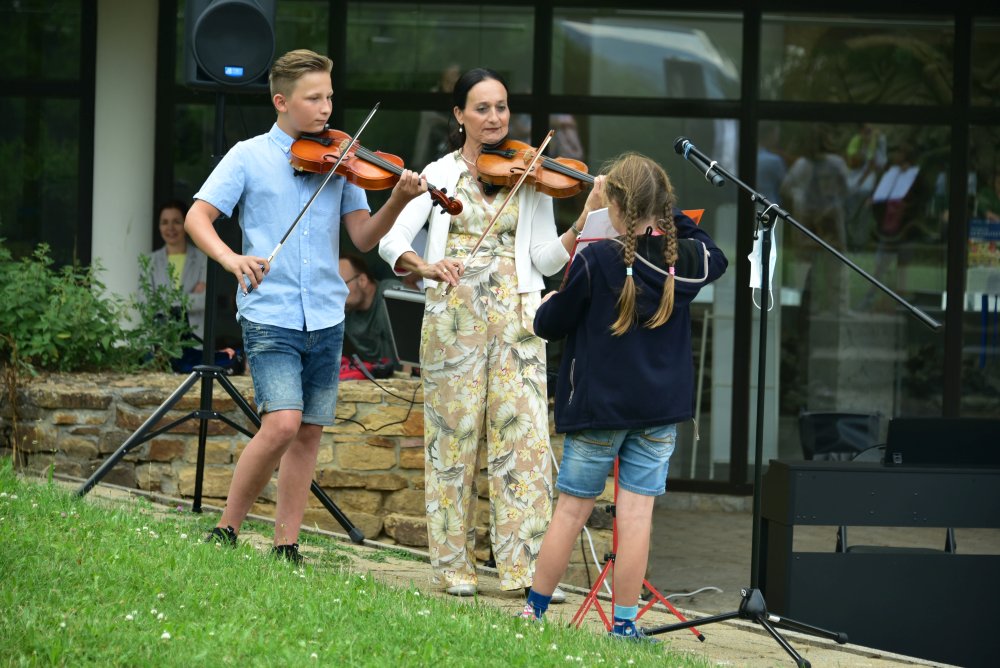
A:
[470,163]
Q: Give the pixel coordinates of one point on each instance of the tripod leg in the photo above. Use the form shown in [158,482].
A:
[591,600]
[657,596]
[794,625]
[356,535]
[140,435]
[206,409]
[799,661]
[704,621]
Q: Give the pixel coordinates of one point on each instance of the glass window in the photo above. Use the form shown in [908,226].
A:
[39,146]
[639,53]
[860,60]
[986,62]
[877,194]
[418,47]
[27,25]
[981,326]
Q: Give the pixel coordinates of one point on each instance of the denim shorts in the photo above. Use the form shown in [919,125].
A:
[294,370]
[643,460]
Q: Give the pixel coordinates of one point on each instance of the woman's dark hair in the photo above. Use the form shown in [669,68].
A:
[460,94]
[171,204]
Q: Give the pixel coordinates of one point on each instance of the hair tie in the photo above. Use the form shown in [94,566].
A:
[671,270]
[628,270]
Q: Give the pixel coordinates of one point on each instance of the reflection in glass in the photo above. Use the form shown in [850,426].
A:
[39,145]
[646,53]
[981,325]
[856,60]
[878,194]
[404,46]
[986,62]
[26,26]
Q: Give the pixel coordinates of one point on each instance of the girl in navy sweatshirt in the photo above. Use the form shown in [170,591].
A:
[626,377]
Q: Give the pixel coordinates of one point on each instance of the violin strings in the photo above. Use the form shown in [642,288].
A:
[548,163]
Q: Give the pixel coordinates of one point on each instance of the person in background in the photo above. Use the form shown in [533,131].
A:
[626,377]
[183,261]
[366,323]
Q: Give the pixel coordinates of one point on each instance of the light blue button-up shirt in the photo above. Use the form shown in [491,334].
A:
[303,290]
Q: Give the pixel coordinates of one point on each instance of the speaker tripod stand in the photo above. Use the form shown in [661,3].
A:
[609,569]
[207,374]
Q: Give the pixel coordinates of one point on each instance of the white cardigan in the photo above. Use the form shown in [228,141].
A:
[537,248]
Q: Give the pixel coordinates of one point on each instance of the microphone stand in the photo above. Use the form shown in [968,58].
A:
[752,605]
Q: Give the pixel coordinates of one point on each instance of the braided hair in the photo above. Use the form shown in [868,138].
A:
[641,190]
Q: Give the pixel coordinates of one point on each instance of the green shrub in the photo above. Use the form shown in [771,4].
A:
[65,320]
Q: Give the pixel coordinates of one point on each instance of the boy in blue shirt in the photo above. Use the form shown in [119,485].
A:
[293,322]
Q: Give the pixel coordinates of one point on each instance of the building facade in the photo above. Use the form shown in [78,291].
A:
[877,130]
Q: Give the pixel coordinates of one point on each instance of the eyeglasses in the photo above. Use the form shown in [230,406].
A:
[352,278]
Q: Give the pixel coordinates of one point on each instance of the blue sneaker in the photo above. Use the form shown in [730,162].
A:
[626,629]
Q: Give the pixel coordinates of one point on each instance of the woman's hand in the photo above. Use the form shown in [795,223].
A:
[448,270]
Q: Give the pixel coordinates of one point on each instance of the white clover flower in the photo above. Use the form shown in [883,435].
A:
[569,657]
[161,596]
[553,647]
[160,616]
[129,618]
[165,636]
[424,613]
[184,536]
[314,655]
[518,636]
[62,625]
[153,611]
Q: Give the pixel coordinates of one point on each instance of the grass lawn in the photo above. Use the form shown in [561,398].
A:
[86,581]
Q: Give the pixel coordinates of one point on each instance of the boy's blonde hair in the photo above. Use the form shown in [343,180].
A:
[292,66]
[641,190]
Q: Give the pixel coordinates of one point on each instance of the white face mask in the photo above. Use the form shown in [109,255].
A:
[755,264]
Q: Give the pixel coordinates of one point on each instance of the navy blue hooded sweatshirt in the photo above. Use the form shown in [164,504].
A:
[645,377]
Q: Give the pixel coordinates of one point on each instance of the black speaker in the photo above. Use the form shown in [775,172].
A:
[229,44]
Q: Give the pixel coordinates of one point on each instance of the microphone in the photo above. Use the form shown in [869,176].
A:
[688,151]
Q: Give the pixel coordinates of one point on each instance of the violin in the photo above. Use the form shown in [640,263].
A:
[503,164]
[370,170]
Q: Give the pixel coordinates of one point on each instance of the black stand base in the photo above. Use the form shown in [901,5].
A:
[753,608]
[207,374]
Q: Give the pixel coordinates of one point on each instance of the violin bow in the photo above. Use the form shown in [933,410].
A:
[329,175]
[510,195]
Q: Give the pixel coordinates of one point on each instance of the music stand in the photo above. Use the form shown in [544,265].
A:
[207,373]
[752,605]
[405,311]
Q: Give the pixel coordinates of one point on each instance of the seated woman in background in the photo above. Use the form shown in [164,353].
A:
[189,265]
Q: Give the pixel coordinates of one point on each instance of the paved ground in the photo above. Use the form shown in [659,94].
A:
[692,548]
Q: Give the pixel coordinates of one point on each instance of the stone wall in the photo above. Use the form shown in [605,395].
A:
[371,462]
